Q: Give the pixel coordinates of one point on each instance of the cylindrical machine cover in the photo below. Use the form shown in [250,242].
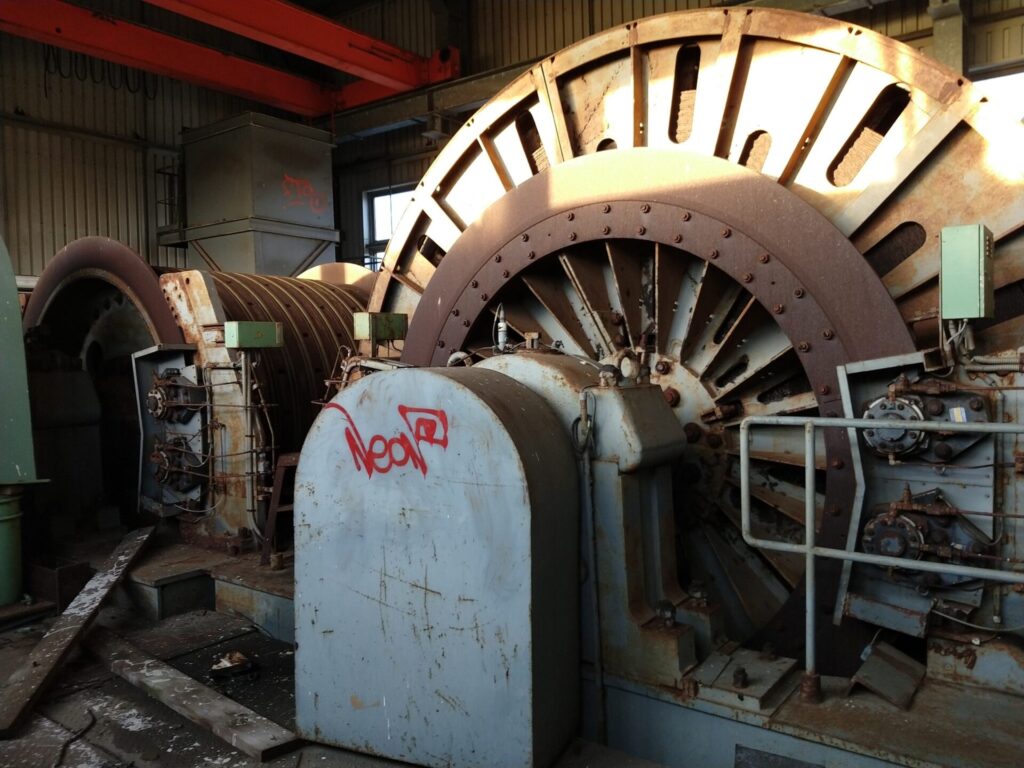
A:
[436,568]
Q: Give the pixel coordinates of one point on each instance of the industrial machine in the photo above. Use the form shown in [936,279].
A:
[184,393]
[736,292]
[176,394]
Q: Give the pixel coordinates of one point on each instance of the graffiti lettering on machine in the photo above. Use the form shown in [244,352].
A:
[423,427]
[301,192]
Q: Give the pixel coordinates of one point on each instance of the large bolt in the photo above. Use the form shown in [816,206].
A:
[474,283]
[606,208]
[524,237]
[935,407]
[944,451]
[570,216]
[713,254]
[726,232]
[671,396]
[497,258]
[778,309]
[692,432]
[662,366]
[740,678]
[605,229]
[686,215]
[824,389]
[838,463]
[677,239]
[645,208]
[641,230]
[505,273]
[714,440]
[748,278]
[764,258]
[455,312]
[798,293]
[804,346]
[829,334]
[573,236]
[977,404]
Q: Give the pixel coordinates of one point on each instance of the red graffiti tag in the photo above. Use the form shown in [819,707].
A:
[425,426]
[302,192]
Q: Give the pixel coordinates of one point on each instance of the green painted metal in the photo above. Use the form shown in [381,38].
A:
[17,461]
[253,334]
[966,273]
[380,326]
[10,547]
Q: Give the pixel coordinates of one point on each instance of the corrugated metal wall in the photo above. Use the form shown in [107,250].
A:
[80,144]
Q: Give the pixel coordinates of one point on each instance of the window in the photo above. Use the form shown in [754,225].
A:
[384,209]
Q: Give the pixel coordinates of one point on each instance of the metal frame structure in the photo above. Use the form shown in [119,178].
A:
[810,550]
[386,69]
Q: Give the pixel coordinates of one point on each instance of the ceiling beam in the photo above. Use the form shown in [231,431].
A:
[68,26]
[317,38]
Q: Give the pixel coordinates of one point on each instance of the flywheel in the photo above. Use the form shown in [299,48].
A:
[748,198]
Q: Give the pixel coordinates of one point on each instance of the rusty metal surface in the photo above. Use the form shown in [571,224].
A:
[740,151]
[107,262]
[317,320]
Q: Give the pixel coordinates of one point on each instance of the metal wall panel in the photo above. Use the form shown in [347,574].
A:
[995,45]
[409,24]
[80,143]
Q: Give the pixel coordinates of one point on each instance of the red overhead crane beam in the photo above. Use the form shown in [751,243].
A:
[69,26]
[77,29]
[314,37]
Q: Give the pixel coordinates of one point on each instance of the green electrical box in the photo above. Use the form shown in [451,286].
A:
[965,280]
[379,326]
[253,335]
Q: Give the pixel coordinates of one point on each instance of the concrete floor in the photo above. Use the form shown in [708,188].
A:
[91,719]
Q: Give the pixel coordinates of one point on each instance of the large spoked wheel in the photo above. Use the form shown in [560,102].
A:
[751,197]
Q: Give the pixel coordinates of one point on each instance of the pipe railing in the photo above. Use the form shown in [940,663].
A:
[810,550]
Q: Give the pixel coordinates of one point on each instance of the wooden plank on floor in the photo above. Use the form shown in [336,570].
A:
[239,726]
[29,682]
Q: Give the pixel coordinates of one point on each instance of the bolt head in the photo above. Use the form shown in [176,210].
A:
[713,254]
[484,297]
[570,215]
[645,208]
[641,230]
[804,346]
[531,255]
[798,293]
[524,237]
[677,239]
[474,283]
[686,215]
[671,396]
[605,229]
[662,366]
[573,236]
[505,273]
[726,232]
[748,278]
[455,312]
[497,258]
[824,389]
[829,334]
[764,258]
[778,309]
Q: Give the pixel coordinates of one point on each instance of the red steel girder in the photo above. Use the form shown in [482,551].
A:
[77,29]
[314,37]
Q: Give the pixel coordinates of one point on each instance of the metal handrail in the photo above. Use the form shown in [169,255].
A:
[810,550]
